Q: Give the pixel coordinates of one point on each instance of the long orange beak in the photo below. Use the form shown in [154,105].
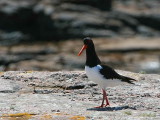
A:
[83,48]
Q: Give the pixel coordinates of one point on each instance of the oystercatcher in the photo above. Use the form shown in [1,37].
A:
[101,74]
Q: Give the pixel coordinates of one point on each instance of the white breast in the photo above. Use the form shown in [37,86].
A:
[95,76]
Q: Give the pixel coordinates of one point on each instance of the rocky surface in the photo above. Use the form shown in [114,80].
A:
[119,53]
[24,21]
[70,95]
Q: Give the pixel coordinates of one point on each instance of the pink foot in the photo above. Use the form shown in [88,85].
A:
[101,106]
[104,99]
[107,105]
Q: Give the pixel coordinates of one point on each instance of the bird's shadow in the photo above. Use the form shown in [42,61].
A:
[112,108]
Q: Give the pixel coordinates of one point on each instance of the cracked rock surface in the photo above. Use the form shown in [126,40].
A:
[70,95]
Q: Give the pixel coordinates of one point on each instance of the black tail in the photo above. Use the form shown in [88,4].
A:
[128,79]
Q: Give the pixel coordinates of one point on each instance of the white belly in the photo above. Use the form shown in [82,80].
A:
[95,76]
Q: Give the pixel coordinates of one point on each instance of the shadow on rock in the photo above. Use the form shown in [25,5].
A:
[112,108]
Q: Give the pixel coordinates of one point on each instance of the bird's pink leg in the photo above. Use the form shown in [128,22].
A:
[105,97]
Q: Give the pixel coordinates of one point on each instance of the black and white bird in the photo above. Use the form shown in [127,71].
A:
[101,74]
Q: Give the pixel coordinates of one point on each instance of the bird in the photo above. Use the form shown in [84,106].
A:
[102,74]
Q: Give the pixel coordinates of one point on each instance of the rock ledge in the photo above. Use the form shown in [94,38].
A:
[70,95]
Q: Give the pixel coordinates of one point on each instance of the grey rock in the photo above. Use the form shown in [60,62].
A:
[46,95]
[9,86]
[58,20]
[12,38]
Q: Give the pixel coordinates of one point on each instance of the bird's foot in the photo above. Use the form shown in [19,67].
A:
[102,106]
[107,105]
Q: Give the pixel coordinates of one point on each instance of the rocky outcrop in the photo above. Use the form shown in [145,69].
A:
[116,52]
[69,94]
[24,21]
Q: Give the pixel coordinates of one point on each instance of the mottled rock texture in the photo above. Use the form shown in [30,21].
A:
[70,95]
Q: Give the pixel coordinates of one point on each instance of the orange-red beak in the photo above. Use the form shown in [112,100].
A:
[83,48]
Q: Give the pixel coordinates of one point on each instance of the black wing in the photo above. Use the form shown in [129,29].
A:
[110,73]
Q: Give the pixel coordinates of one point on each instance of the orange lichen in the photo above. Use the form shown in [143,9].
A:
[27,116]
[17,116]
[58,114]
[46,117]
[29,71]
[78,118]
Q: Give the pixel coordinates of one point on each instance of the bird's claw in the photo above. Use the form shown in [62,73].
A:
[102,106]
[107,105]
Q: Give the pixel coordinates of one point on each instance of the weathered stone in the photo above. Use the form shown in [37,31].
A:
[44,97]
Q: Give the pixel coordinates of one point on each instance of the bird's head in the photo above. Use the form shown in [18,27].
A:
[87,42]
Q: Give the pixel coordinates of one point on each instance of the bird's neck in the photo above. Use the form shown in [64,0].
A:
[91,57]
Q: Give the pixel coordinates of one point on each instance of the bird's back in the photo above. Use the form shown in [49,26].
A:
[105,76]
[110,73]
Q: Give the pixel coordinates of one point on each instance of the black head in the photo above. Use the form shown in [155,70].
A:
[87,41]
[91,56]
